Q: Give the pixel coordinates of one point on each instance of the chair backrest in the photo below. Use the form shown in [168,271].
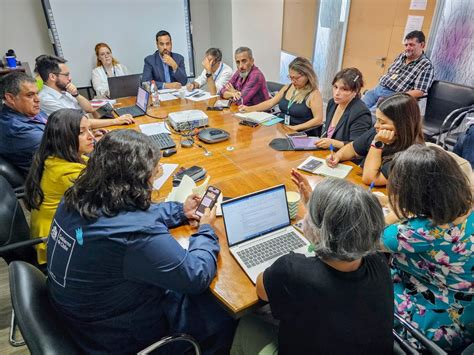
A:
[13,176]
[13,225]
[39,323]
[273,87]
[445,97]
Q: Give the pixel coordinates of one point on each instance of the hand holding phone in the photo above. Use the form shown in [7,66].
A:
[208,200]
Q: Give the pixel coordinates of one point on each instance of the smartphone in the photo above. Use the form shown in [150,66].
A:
[248,123]
[201,94]
[209,200]
[310,166]
[214,108]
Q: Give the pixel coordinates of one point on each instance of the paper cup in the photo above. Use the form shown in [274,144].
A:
[293,199]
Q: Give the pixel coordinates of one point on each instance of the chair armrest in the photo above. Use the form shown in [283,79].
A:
[170,339]
[23,244]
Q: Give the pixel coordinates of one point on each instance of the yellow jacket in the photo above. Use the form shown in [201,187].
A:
[58,176]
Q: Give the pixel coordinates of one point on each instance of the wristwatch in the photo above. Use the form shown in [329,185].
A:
[377,144]
[77,94]
[208,75]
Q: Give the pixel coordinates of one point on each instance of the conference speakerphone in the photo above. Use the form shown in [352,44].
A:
[187,120]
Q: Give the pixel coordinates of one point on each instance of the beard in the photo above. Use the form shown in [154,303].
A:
[60,85]
[165,51]
[244,74]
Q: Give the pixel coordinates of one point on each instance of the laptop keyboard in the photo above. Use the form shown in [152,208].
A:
[162,140]
[133,110]
[281,245]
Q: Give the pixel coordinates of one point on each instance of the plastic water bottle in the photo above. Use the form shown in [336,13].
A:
[155,97]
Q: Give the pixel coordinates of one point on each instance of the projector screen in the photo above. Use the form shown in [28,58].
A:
[127,26]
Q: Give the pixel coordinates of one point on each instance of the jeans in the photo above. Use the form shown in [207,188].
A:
[372,96]
[465,145]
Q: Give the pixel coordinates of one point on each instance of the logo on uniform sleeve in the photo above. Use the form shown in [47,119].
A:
[79,238]
[61,249]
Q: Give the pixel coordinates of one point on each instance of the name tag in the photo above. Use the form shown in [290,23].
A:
[287,120]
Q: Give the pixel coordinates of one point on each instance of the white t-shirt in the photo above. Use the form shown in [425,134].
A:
[221,76]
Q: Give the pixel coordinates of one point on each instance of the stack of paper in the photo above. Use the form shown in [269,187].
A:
[340,171]
[258,117]
[154,128]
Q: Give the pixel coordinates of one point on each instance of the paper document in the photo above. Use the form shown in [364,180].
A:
[167,171]
[414,23]
[201,96]
[101,102]
[166,91]
[153,128]
[222,103]
[340,171]
[167,97]
[186,188]
[258,117]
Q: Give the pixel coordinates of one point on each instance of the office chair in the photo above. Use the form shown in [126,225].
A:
[450,138]
[13,176]
[273,87]
[39,322]
[15,242]
[402,346]
[445,101]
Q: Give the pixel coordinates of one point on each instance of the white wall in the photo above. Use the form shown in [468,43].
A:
[258,24]
[23,28]
[226,24]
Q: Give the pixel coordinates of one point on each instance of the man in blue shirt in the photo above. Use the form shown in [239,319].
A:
[164,66]
[21,123]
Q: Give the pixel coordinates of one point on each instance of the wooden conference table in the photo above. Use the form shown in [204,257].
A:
[245,163]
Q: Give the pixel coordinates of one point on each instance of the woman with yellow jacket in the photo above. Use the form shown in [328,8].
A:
[56,165]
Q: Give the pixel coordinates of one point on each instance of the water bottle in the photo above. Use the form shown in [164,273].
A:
[155,97]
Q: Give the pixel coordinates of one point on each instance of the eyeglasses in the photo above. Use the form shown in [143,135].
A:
[65,74]
[295,78]
[104,54]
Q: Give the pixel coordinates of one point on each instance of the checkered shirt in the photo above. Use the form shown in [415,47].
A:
[416,75]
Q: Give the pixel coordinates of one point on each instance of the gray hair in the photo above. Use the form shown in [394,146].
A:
[347,220]
[11,83]
[244,49]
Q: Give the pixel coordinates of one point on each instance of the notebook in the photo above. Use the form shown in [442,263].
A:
[124,85]
[318,166]
[258,117]
[259,231]
[139,109]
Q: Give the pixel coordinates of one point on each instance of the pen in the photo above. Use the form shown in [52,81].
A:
[372,184]
[331,148]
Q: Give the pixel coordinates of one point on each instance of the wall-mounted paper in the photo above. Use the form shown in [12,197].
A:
[414,23]
[418,4]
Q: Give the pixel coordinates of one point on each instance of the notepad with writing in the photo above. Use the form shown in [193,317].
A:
[321,168]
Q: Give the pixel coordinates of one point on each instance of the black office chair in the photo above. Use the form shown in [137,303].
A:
[13,176]
[39,323]
[15,242]
[445,101]
[402,346]
[450,138]
[273,87]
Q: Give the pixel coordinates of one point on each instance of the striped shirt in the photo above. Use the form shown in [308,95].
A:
[416,75]
[253,88]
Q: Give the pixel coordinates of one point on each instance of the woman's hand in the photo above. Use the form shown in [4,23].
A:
[332,160]
[190,205]
[385,136]
[243,108]
[99,133]
[190,87]
[125,119]
[303,185]
[209,216]
[325,143]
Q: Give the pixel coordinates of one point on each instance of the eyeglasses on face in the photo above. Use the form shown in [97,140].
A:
[65,74]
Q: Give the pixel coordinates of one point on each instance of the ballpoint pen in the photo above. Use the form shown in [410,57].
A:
[371,186]
[331,148]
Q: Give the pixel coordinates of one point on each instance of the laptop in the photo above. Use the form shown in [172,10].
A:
[139,109]
[259,231]
[124,85]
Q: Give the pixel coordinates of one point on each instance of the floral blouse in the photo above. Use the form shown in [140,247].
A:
[432,272]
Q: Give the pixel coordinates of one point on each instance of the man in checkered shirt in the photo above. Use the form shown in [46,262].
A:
[411,72]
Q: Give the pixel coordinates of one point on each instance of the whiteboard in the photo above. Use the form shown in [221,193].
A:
[127,26]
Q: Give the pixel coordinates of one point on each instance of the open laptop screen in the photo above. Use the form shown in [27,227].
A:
[142,98]
[256,214]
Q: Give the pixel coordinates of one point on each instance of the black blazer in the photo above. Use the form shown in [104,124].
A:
[355,121]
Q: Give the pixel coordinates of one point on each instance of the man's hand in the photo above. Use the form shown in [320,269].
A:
[230,88]
[209,216]
[167,59]
[303,185]
[125,119]
[71,88]
[190,86]
[207,64]
[174,85]
[190,205]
